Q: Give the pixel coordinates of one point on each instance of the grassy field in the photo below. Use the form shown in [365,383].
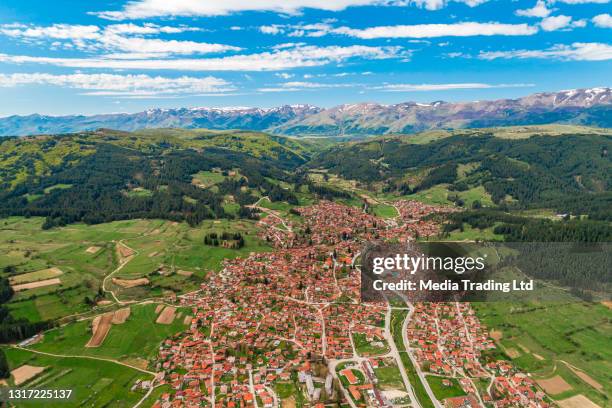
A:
[94,383]
[385,211]
[442,391]
[543,337]
[365,348]
[136,339]
[26,248]
[419,389]
[389,377]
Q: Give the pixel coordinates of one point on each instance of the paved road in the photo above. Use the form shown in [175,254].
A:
[398,359]
[420,374]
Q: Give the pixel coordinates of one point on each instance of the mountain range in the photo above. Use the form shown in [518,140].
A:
[591,107]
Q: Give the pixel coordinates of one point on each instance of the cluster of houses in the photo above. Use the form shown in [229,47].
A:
[275,318]
[448,340]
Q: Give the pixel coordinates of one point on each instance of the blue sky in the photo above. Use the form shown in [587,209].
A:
[83,57]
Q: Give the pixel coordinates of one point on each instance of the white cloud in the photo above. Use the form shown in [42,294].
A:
[160,8]
[439,4]
[555,23]
[121,85]
[540,10]
[444,87]
[439,30]
[55,31]
[284,75]
[560,22]
[603,21]
[125,38]
[302,85]
[302,56]
[404,31]
[574,52]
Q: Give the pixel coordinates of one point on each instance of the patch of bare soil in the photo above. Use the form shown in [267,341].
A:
[554,385]
[39,284]
[184,273]
[121,315]
[25,372]
[100,327]
[496,335]
[577,401]
[130,283]
[167,315]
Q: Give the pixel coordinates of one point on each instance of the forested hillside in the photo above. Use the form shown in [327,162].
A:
[192,175]
[569,173]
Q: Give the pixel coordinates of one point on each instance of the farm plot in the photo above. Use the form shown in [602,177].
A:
[167,315]
[138,337]
[554,385]
[43,274]
[95,383]
[25,372]
[100,327]
[38,284]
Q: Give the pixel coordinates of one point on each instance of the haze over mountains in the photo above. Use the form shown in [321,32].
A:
[591,107]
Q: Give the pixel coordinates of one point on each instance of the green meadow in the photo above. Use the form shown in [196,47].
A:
[138,338]
[543,337]
[158,245]
[94,382]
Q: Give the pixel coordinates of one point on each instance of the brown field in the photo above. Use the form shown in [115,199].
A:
[512,352]
[496,335]
[121,315]
[187,320]
[130,283]
[35,276]
[607,303]
[158,309]
[166,316]
[100,327]
[25,372]
[577,401]
[554,385]
[93,249]
[184,273]
[39,284]
[288,402]
[124,251]
[152,254]
[586,378]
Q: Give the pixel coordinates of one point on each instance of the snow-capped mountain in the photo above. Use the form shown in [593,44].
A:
[591,106]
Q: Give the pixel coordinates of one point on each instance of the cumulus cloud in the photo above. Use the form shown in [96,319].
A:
[301,56]
[603,20]
[574,52]
[560,22]
[121,85]
[540,10]
[444,87]
[467,29]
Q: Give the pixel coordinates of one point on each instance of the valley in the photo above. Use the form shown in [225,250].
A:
[219,267]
